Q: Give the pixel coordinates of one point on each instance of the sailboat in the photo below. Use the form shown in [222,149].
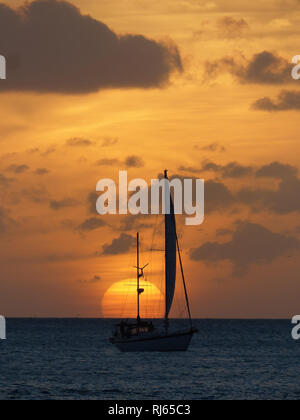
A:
[142,335]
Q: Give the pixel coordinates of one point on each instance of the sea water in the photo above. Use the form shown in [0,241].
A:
[73,359]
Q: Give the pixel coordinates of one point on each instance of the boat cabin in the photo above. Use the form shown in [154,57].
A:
[127,330]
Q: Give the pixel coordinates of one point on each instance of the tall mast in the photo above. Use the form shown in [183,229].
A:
[166,256]
[138,275]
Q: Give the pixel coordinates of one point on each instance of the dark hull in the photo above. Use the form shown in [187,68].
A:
[156,343]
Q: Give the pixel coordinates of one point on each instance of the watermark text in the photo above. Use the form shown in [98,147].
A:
[2,67]
[296,68]
[135,197]
[2,328]
[296,329]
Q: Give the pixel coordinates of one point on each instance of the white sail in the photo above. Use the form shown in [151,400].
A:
[171,252]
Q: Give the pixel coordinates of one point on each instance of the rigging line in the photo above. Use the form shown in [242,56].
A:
[183,279]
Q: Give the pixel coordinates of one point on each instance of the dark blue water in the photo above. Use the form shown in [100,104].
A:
[72,359]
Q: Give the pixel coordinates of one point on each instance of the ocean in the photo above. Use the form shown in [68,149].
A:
[72,359]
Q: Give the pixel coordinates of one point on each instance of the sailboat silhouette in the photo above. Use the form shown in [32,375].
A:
[142,335]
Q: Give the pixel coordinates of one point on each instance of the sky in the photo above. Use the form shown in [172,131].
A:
[202,88]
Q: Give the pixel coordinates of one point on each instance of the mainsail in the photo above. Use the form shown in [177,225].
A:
[170,249]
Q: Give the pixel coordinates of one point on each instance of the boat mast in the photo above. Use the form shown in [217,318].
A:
[166,256]
[138,275]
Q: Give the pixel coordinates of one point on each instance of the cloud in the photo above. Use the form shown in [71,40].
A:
[230,170]
[250,244]
[224,232]
[78,142]
[67,224]
[91,224]
[284,200]
[18,169]
[263,68]
[217,195]
[277,170]
[93,280]
[190,169]
[36,194]
[6,222]
[274,170]
[91,202]
[130,162]
[52,258]
[3,220]
[230,27]
[130,222]
[41,171]
[119,245]
[51,47]
[4,181]
[134,162]
[49,151]
[109,141]
[33,151]
[212,147]
[61,204]
[108,162]
[287,101]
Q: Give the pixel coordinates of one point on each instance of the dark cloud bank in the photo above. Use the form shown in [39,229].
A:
[250,244]
[51,47]
[284,199]
[276,170]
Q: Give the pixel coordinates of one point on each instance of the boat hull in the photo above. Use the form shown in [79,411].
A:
[161,343]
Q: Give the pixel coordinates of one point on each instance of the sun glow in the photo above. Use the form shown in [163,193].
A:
[120,300]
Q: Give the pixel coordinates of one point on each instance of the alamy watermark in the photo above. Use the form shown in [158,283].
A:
[296,68]
[2,328]
[2,67]
[296,329]
[188,197]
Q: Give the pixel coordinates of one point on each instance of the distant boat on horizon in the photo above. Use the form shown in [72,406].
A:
[141,335]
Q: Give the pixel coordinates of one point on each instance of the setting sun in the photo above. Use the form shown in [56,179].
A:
[120,300]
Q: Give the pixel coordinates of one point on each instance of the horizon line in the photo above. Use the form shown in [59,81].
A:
[158,319]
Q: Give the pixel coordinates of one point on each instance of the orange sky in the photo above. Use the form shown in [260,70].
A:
[244,260]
